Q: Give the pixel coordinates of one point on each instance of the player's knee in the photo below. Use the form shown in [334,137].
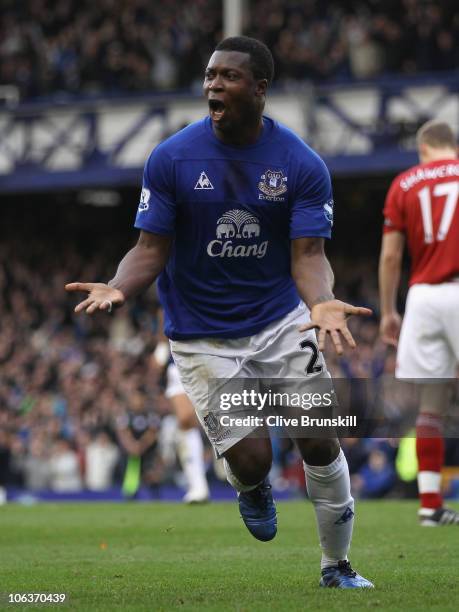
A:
[319,451]
[251,472]
[250,460]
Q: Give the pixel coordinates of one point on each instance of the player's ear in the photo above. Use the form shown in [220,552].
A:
[261,87]
[423,150]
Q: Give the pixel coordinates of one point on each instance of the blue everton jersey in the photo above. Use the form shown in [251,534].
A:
[232,212]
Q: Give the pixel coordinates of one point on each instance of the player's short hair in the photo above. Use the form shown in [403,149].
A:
[261,59]
[437,134]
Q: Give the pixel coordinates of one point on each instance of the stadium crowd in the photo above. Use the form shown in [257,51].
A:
[79,395]
[81,47]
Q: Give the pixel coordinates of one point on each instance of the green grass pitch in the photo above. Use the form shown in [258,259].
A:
[169,556]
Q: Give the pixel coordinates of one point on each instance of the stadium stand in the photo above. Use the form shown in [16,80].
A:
[53,365]
[80,47]
[356,40]
[66,380]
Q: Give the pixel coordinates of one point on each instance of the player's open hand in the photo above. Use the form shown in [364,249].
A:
[100,297]
[389,328]
[331,318]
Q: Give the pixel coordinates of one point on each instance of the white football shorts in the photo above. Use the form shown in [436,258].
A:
[429,340]
[174,384]
[275,352]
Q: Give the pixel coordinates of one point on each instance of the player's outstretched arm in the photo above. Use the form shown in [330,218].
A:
[314,280]
[390,262]
[137,270]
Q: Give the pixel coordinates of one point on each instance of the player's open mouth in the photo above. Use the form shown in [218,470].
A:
[217,109]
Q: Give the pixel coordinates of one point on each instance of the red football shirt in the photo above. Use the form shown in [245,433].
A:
[423,204]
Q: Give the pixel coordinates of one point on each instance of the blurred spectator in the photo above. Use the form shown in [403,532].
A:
[137,429]
[356,453]
[101,458]
[366,56]
[64,467]
[36,465]
[4,465]
[376,477]
[16,462]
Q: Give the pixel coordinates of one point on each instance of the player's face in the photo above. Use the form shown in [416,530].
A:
[235,97]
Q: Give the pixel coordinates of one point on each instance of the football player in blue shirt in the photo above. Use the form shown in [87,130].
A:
[233,215]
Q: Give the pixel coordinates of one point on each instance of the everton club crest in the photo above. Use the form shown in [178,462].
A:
[272,184]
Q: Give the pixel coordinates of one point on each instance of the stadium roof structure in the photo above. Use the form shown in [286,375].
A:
[359,128]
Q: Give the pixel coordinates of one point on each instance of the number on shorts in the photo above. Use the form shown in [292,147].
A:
[451,191]
[312,367]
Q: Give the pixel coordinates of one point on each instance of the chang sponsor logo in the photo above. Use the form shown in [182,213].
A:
[238,224]
[217,248]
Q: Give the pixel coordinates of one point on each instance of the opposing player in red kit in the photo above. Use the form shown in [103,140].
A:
[421,207]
